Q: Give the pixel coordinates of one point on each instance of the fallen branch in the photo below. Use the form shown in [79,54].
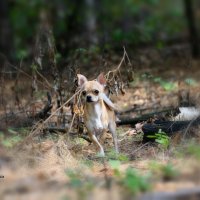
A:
[169,127]
[134,108]
[133,121]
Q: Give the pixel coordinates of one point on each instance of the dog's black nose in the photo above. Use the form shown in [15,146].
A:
[89,98]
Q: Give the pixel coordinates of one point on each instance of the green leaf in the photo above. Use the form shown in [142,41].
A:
[157,79]
[191,81]
[151,136]
[168,85]
[10,130]
[114,164]
[135,182]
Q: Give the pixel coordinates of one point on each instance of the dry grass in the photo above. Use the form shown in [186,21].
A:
[37,170]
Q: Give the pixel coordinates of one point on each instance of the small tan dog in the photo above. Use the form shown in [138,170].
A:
[99,113]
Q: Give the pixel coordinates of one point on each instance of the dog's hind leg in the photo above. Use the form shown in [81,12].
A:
[112,129]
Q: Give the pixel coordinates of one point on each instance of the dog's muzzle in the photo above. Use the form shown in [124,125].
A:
[89,99]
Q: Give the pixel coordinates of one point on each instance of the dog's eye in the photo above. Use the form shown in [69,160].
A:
[96,91]
[84,93]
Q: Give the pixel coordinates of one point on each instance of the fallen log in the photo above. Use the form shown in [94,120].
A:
[145,117]
[138,109]
[169,127]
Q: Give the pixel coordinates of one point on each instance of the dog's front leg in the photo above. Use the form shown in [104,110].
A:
[96,142]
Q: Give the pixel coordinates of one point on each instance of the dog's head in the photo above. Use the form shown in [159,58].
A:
[92,91]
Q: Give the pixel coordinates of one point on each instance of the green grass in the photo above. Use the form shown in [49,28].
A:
[11,138]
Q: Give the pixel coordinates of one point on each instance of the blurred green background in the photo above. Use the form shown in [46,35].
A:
[90,23]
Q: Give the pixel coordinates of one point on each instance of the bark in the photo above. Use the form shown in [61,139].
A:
[5,29]
[194,40]
[90,22]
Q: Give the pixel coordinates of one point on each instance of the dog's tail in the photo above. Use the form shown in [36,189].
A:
[108,102]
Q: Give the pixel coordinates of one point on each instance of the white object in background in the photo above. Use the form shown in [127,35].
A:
[187,113]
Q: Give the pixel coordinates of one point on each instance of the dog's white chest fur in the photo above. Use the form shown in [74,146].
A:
[95,122]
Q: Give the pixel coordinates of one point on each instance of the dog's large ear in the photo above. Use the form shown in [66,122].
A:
[101,79]
[81,79]
[108,102]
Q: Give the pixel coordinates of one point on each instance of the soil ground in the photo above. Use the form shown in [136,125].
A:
[59,166]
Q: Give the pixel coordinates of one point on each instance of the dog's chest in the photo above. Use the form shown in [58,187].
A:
[95,125]
[95,121]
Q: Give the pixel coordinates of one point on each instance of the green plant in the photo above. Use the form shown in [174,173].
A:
[88,163]
[165,171]
[135,182]
[168,171]
[131,180]
[12,139]
[161,138]
[193,150]
[167,85]
[191,81]
[12,131]
[120,156]
[114,164]
[81,183]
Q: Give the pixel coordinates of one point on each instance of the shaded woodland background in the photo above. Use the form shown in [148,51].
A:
[97,25]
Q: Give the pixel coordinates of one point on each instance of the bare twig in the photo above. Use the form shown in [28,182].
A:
[72,122]
[118,67]
[145,144]
[49,85]
[39,126]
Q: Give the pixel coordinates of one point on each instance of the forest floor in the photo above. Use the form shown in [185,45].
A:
[61,166]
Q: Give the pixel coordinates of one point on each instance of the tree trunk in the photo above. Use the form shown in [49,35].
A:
[5,29]
[90,22]
[194,40]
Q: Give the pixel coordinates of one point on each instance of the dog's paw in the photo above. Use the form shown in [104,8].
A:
[101,154]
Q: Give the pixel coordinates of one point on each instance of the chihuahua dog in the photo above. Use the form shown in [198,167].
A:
[99,113]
